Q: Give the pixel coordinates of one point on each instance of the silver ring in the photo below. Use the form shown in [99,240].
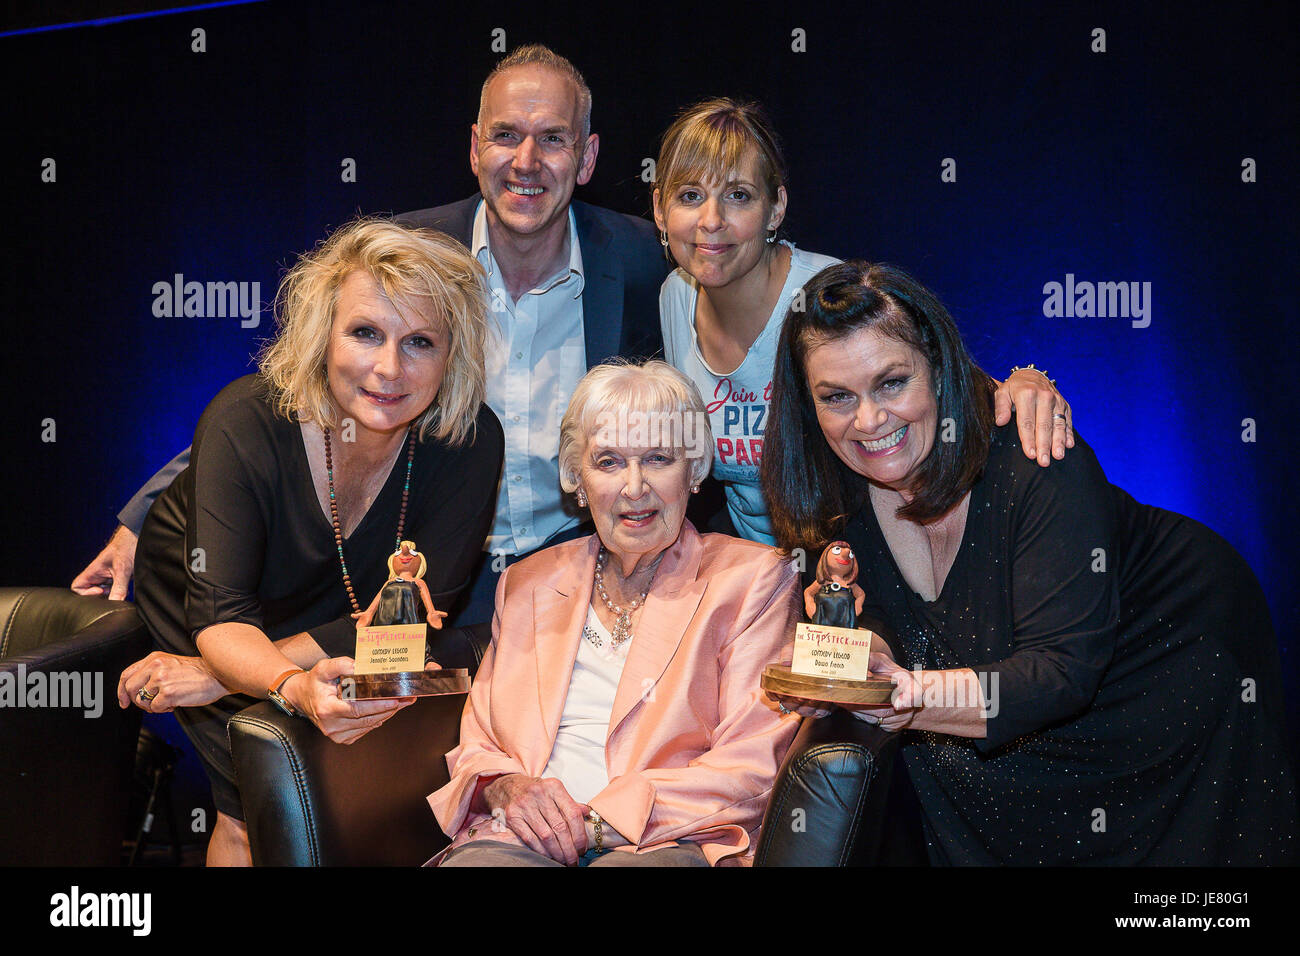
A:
[145,696]
[783,708]
[1059,417]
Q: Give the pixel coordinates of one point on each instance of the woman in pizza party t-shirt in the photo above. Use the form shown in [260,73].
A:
[719,200]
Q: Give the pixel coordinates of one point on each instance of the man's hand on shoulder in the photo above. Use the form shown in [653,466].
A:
[1043,416]
[109,575]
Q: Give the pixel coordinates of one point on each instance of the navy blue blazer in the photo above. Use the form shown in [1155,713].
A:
[623,266]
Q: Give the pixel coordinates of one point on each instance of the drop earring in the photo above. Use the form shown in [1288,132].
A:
[668,253]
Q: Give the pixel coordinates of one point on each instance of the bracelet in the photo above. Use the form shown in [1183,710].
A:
[598,824]
[1030,368]
[280,701]
[279,681]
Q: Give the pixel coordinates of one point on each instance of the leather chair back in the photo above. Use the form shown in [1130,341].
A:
[65,771]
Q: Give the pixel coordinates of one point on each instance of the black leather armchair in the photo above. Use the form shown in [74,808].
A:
[840,798]
[311,802]
[65,771]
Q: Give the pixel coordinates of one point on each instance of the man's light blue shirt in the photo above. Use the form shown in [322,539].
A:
[536,354]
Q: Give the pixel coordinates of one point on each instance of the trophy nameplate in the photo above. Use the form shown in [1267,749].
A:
[836,653]
[390,663]
[829,665]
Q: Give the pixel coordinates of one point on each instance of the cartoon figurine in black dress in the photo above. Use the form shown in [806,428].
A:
[833,600]
[398,601]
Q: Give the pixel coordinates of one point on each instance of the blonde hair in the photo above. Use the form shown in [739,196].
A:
[622,386]
[406,263]
[709,139]
[424,565]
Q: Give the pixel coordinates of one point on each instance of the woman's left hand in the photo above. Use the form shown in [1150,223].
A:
[319,695]
[1036,403]
[168,681]
[905,701]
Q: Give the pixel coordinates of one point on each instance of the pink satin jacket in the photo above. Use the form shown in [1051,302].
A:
[693,745]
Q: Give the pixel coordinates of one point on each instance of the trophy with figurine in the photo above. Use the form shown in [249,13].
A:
[830,651]
[391,657]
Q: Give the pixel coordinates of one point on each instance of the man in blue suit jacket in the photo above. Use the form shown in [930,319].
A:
[624,268]
[570,285]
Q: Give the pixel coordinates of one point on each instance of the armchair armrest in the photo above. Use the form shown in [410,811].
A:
[828,803]
[311,802]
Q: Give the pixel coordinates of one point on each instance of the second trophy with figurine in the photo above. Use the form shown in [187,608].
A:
[831,652]
[391,657]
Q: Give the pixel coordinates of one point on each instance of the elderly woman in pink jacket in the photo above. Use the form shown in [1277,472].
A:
[617,718]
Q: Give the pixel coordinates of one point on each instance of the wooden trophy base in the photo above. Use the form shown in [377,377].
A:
[449,680]
[779,679]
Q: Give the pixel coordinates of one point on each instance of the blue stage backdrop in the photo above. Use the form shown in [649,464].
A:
[991,150]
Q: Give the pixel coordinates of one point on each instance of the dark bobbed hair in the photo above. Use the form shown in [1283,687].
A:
[809,491]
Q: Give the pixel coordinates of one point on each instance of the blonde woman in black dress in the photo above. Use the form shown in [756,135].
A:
[364,426]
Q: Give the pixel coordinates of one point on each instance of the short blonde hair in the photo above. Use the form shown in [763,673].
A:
[708,140]
[621,386]
[406,263]
[424,564]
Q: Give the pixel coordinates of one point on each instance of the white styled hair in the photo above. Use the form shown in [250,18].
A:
[620,390]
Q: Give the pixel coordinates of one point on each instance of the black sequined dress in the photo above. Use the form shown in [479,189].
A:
[1132,671]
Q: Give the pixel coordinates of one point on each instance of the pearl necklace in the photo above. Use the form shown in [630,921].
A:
[621,632]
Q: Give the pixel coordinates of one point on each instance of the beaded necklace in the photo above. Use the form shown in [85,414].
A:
[334,508]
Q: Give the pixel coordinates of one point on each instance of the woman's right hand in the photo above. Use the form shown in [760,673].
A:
[541,814]
[169,681]
[315,695]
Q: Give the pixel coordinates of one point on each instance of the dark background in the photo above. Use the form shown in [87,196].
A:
[1115,166]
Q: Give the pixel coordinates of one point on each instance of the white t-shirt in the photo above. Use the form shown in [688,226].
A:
[578,757]
[737,402]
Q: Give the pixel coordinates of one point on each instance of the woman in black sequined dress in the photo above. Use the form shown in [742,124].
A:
[1082,678]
